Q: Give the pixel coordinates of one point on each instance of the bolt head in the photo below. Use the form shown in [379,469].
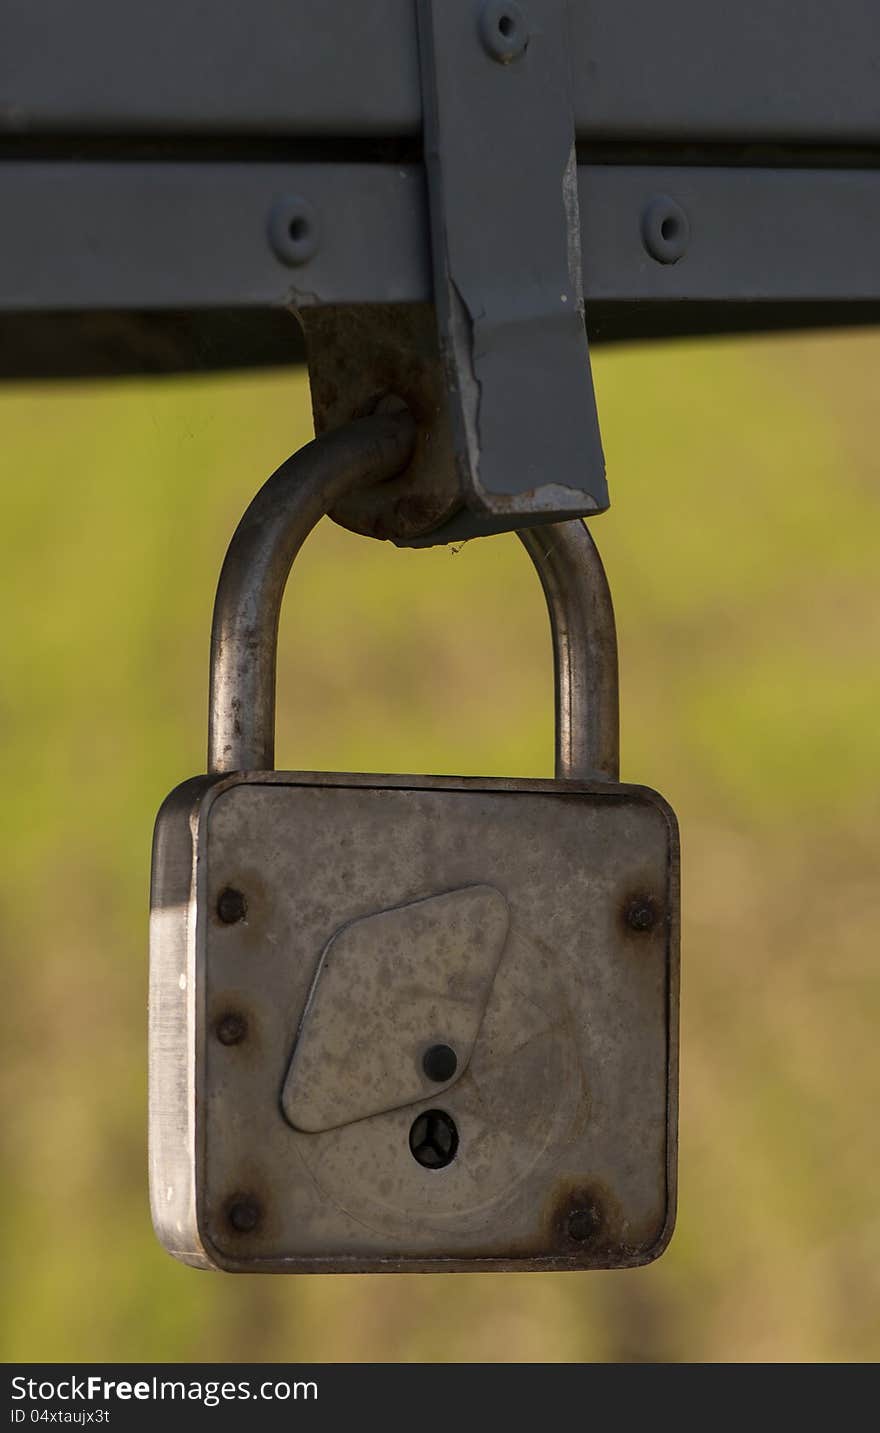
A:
[666,230]
[504,30]
[231,906]
[231,1028]
[293,230]
[583,1224]
[641,914]
[244,1215]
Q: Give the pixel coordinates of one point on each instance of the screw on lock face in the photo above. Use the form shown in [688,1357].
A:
[641,913]
[583,1223]
[231,906]
[244,1214]
[433,1139]
[231,1028]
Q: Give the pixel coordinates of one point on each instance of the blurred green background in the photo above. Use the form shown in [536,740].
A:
[742,549]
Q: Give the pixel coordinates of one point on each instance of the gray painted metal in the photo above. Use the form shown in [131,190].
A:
[505,239]
[171,235]
[142,151]
[698,70]
[109,343]
[153,236]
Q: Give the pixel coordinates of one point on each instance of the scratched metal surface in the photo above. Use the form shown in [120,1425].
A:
[566,1112]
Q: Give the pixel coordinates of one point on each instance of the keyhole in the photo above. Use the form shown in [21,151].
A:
[433,1139]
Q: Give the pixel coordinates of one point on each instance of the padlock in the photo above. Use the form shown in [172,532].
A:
[410,1022]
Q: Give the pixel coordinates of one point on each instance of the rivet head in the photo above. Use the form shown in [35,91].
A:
[231,1028]
[231,906]
[504,30]
[666,230]
[583,1224]
[244,1214]
[293,230]
[641,913]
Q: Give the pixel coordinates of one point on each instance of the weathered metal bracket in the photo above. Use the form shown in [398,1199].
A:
[503,372]
[499,145]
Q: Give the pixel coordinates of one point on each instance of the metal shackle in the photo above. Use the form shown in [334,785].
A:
[244,636]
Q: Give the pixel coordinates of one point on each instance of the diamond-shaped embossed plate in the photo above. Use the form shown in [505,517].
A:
[565,1113]
[410,980]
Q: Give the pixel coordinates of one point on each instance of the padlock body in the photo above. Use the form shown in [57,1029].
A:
[537,921]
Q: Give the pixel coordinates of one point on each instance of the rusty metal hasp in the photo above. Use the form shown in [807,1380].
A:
[408,1022]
